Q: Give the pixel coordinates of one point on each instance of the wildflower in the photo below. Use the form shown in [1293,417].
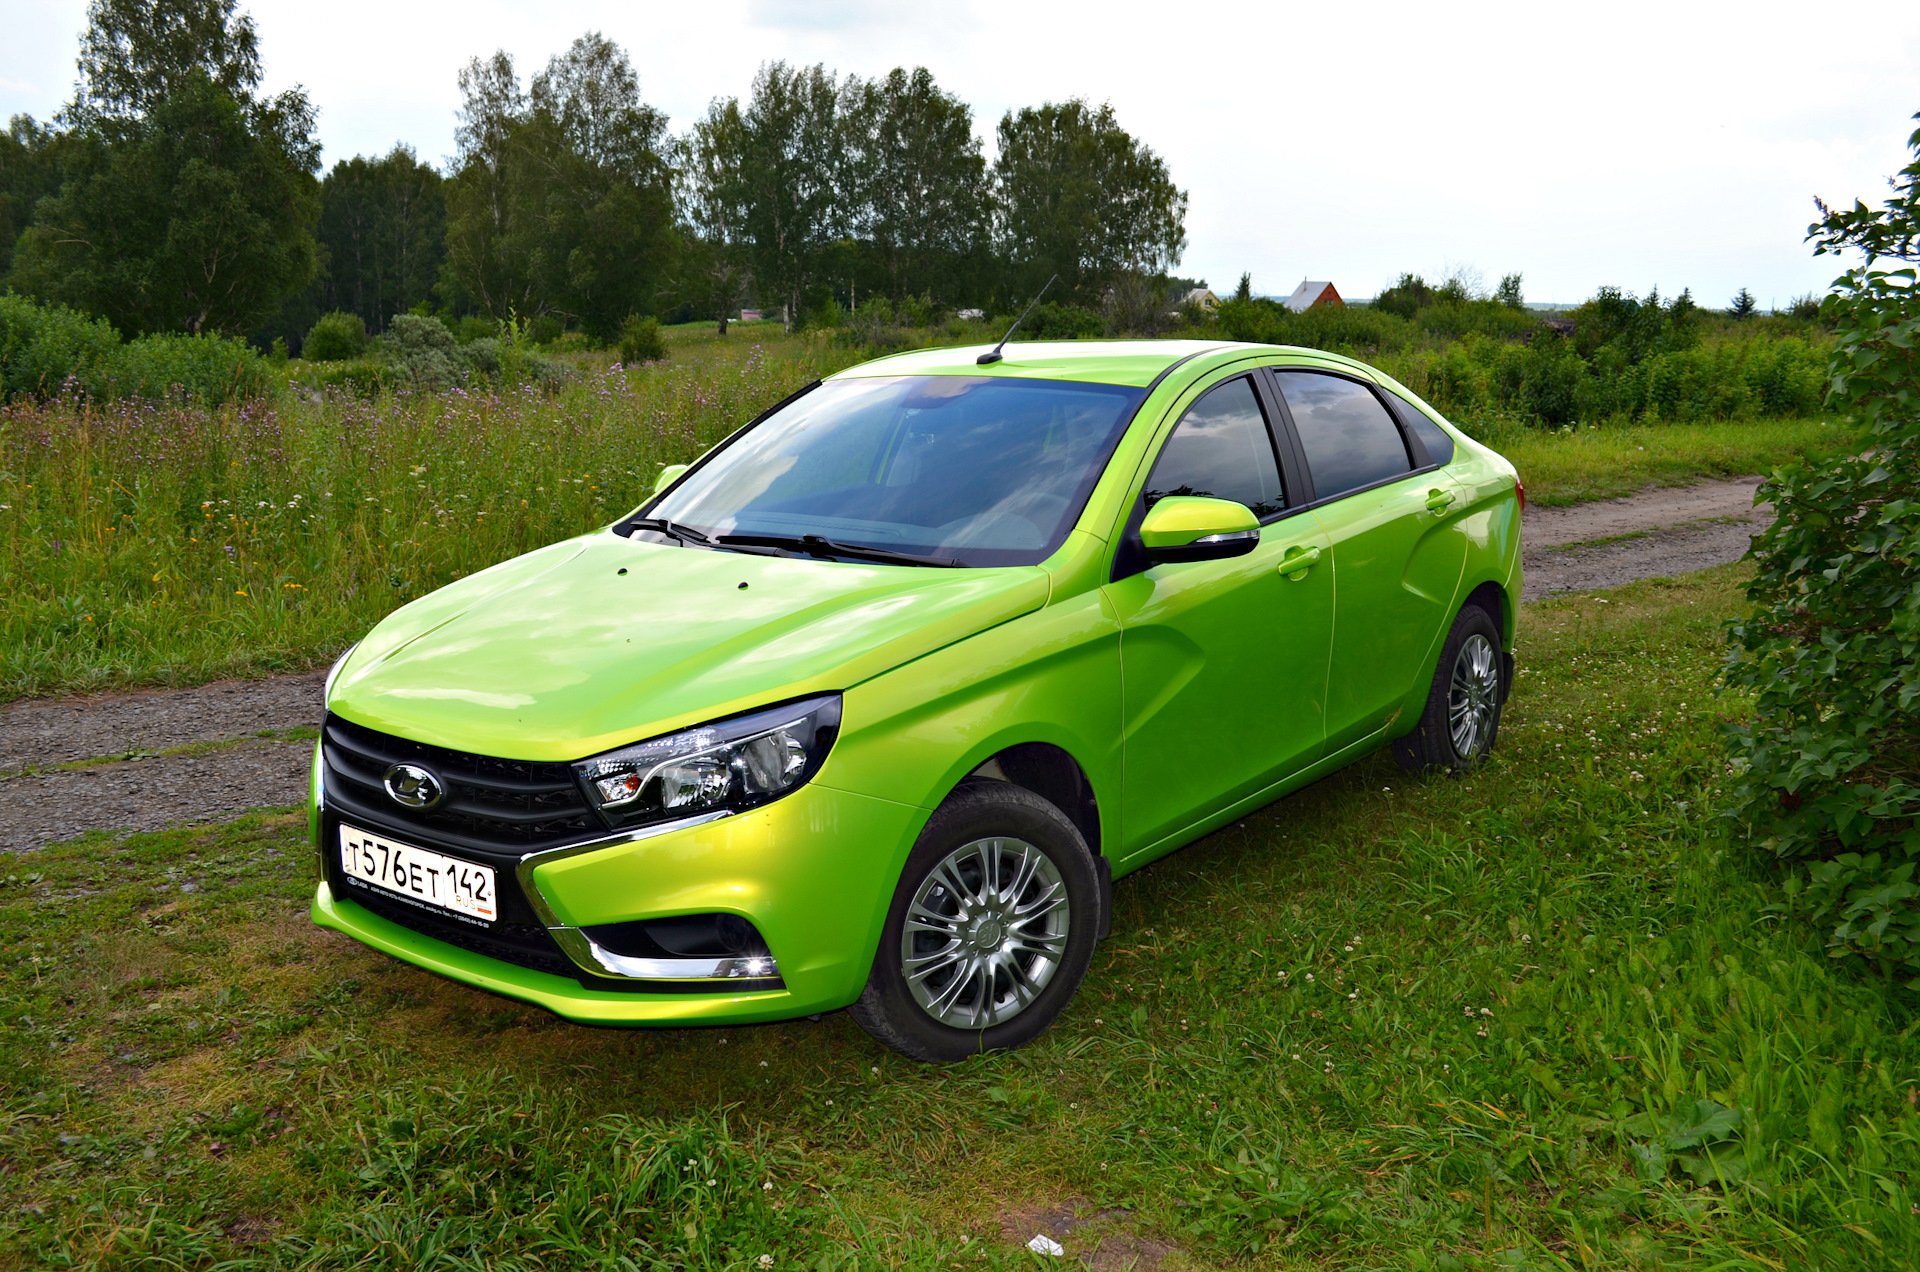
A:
[766,1260]
[239,591]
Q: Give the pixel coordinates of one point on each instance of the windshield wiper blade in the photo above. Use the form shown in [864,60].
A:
[820,546]
[672,529]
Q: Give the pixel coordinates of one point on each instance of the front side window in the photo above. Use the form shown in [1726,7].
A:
[1349,439]
[1222,449]
[968,470]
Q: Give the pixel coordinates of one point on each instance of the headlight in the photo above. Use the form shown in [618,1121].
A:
[733,764]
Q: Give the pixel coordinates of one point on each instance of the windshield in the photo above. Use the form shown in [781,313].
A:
[967,470]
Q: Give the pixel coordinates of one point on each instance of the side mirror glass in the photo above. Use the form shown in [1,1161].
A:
[1194,528]
[669,475]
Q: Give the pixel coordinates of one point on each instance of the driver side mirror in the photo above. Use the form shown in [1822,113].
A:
[1195,528]
[669,475]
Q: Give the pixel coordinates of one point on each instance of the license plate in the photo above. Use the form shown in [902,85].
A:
[428,877]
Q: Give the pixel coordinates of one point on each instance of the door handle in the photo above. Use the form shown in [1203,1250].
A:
[1439,500]
[1298,561]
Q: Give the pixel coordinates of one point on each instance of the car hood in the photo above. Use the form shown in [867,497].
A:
[599,641]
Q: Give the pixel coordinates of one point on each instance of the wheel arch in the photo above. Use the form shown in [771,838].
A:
[1493,598]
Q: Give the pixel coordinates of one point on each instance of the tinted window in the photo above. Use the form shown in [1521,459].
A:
[1349,438]
[1221,449]
[1438,442]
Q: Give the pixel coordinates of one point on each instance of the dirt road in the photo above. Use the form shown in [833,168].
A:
[121,768]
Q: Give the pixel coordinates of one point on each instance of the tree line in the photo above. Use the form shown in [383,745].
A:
[172,194]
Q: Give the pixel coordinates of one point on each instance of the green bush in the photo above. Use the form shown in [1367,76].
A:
[422,353]
[335,337]
[641,341]
[363,377]
[1052,321]
[1827,770]
[43,347]
[473,327]
[212,369]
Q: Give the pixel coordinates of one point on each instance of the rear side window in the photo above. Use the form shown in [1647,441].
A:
[1349,439]
[1437,440]
[1222,449]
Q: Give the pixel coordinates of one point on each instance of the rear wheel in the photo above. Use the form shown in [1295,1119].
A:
[991,928]
[1462,716]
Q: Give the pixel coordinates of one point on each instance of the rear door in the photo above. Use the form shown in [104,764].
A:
[1390,514]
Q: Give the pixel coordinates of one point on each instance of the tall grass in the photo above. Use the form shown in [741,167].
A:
[164,542]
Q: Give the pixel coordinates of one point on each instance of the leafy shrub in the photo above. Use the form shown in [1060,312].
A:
[42,346]
[1052,321]
[46,349]
[335,337]
[207,368]
[546,329]
[363,377]
[421,352]
[1828,767]
[474,327]
[641,341]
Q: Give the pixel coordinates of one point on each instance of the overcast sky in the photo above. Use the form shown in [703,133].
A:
[1673,144]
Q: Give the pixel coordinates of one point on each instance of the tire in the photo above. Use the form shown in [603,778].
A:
[1462,716]
[1006,907]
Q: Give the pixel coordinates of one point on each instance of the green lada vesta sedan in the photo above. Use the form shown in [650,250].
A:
[870,706]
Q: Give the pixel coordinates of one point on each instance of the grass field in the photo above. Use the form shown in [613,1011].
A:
[146,544]
[1536,1018]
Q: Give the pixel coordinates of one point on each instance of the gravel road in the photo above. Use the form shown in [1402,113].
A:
[128,788]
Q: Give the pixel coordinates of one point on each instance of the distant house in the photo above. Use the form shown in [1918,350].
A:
[970,315]
[750,315]
[1311,293]
[1201,298]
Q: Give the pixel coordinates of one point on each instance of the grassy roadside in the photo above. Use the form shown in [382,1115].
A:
[1536,1018]
[1573,466]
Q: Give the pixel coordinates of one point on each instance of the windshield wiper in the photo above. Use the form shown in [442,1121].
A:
[699,538]
[820,546]
[672,529]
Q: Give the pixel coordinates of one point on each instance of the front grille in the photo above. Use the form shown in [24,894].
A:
[492,806]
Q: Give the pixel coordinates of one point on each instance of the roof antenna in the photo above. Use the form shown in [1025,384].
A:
[993,355]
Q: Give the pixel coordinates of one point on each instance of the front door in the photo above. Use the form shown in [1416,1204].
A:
[1223,663]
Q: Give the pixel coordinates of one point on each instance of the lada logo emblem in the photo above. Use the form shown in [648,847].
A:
[411,786]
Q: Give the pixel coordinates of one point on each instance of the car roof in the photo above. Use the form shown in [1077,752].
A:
[1130,362]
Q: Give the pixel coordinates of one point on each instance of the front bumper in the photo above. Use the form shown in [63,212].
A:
[812,872]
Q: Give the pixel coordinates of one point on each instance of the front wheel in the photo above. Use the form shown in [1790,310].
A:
[991,928]
[1462,715]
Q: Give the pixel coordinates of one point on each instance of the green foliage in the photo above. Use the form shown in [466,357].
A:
[1743,305]
[641,341]
[336,337]
[382,229]
[1829,763]
[421,353]
[1508,292]
[561,200]
[1052,321]
[30,157]
[43,347]
[188,202]
[203,368]
[50,350]
[1081,198]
